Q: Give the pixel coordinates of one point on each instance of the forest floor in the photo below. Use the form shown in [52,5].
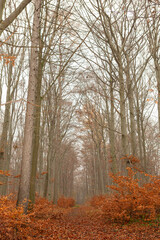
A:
[50,222]
[87,223]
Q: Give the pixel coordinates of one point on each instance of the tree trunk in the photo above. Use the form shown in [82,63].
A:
[123,113]
[24,187]
[50,161]
[157,67]
[2,4]
[40,161]
[111,126]
[143,145]
[138,124]
[4,136]
[4,24]
[35,144]
[131,110]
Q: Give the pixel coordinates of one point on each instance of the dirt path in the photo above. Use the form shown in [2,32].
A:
[84,224]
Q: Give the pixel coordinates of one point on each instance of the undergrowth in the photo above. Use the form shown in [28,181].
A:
[130,201]
[16,225]
[64,202]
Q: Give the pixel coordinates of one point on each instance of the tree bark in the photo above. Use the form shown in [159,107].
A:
[111,126]
[4,24]
[36,133]
[130,96]
[4,136]
[23,194]
[138,123]
[2,4]
[123,113]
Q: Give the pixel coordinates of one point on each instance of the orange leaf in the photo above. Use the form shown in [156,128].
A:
[43,173]
[17,176]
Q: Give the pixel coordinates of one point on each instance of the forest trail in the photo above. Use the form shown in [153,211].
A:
[47,221]
[83,223]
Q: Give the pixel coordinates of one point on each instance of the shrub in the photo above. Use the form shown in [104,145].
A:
[132,201]
[97,201]
[16,225]
[65,202]
[42,206]
[13,223]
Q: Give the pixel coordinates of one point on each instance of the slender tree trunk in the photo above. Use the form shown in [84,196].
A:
[35,144]
[50,161]
[40,161]
[143,145]
[4,164]
[154,48]
[139,126]
[100,169]
[131,111]
[5,189]
[2,5]
[46,181]
[58,160]
[24,187]
[157,66]
[112,133]
[111,123]
[4,24]
[123,113]
[48,184]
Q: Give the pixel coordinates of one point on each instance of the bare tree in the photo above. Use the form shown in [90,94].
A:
[153,37]
[23,194]
[5,23]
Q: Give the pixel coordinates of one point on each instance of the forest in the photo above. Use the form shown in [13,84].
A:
[80,119]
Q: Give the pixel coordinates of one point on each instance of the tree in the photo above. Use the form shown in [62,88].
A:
[54,28]
[5,23]
[117,44]
[12,81]
[23,194]
[153,37]
[42,59]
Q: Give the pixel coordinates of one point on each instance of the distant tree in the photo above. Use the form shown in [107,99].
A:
[153,37]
